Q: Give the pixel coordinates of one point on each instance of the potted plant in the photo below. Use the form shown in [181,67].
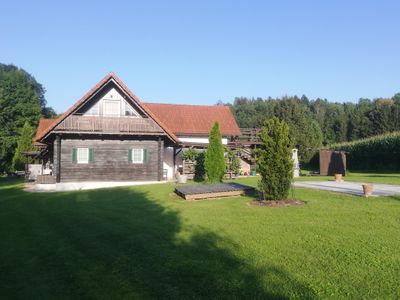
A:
[368,189]
[338,177]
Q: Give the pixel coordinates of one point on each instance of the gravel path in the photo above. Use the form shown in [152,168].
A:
[348,187]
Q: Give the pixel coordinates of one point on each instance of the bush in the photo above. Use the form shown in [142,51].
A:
[189,154]
[24,145]
[199,170]
[274,160]
[214,163]
[233,164]
[378,153]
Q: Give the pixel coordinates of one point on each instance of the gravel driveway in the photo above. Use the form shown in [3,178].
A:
[353,188]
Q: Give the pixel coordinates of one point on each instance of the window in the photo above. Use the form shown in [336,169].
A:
[111,108]
[129,111]
[137,156]
[82,155]
[93,111]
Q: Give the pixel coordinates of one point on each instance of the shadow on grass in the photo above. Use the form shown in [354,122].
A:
[396,197]
[119,243]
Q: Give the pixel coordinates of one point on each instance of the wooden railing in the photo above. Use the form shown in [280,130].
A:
[79,123]
[249,134]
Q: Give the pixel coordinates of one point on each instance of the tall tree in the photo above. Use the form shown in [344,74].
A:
[24,144]
[215,161]
[21,99]
[274,160]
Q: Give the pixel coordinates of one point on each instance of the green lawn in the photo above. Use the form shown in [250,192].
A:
[145,242]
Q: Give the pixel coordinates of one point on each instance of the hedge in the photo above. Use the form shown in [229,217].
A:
[378,153]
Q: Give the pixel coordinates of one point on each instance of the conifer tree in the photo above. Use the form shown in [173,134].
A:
[215,161]
[24,145]
[274,160]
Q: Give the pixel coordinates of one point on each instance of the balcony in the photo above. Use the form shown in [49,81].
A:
[101,124]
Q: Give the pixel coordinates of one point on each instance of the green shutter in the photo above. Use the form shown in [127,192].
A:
[91,155]
[145,156]
[130,156]
[74,155]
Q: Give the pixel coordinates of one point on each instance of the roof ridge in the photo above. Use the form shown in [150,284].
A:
[196,105]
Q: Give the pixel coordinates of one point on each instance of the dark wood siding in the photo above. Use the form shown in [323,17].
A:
[332,162]
[110,161]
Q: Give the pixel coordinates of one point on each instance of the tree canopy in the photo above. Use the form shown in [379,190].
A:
[21,100]
[314,123]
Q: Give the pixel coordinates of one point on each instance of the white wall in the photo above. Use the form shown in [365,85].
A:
[168,163]
[112,95]
[245,167]
[202,140]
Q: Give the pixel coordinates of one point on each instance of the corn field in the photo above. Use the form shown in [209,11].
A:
[381,153]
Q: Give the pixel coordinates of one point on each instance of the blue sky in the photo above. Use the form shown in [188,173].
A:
[203,51]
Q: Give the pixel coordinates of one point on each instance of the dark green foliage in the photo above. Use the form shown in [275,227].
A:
[189,154]
[313,122]
[274,160]
[21,99]
[198,158]
[233,161]
[199,169]
[24,144]
[214,163]
[376,153]
[304,132]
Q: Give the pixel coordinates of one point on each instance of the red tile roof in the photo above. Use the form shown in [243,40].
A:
[105,80]
[44,124]
[175,119]
[184,119]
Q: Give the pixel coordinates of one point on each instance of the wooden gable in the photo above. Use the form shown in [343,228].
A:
[80,118]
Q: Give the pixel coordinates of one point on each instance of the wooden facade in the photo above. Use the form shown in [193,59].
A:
[108,122]
[110,161]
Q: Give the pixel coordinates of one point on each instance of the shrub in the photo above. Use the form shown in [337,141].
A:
[274,160]
[199,170]
[24,145]
[381,152]
[214,163]
[233,164]
[189,154]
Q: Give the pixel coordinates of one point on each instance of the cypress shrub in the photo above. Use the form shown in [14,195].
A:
[24,145]
[214,162]
[274,160]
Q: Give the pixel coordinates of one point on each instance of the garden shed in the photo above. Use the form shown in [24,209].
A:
[332,162]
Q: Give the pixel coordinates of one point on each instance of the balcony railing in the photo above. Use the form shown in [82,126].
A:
[101,124]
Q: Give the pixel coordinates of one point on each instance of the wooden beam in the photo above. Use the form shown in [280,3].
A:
[58,158]
[160,158]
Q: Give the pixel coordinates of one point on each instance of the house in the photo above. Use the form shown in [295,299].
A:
[110,135]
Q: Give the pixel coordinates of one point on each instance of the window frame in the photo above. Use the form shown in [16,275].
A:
[141,156]
[114,101]
[135,114]
[79,157]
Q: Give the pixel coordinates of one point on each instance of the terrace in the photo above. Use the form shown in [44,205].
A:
[90,124]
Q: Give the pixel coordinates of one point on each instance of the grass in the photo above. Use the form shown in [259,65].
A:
[145,243]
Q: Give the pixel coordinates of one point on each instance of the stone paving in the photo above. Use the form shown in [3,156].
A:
[348,187]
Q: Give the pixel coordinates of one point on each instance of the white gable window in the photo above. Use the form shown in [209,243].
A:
[129,111]
[93,111]
[82,155]
[112,108]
